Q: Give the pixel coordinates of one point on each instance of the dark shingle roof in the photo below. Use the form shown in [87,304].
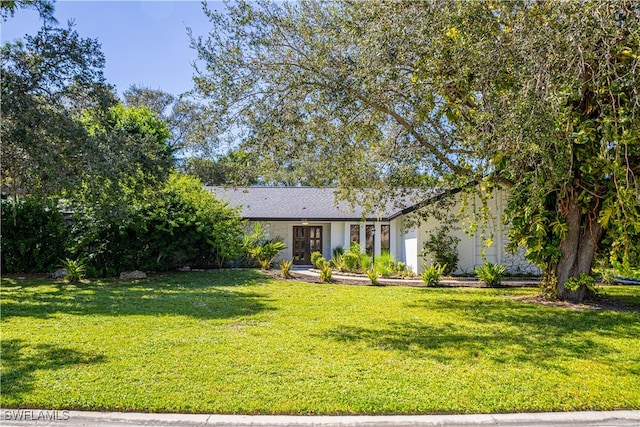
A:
[297,203]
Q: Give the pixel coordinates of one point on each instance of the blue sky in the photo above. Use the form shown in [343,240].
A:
[144,42]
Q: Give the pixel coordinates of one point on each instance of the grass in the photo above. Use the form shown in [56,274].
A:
[238,342]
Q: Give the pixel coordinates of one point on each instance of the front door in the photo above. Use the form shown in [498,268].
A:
[306,240]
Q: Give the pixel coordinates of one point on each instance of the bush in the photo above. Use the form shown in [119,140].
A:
[491,274]
[443,248]
[573,283]
[338,262]
[35,239]
[76,270]
[180,224]
[266,251]
[315,256]
[365,262]
[337,251]
[351,261]
[326,273]
[285,268]
[385,265]
[432,274]
[373,276]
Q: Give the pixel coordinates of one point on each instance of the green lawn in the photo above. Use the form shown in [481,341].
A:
[238,342]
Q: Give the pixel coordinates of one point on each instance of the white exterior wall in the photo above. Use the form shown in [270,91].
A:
[284,230]
[470,247]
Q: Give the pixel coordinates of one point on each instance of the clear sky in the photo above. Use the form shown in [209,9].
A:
[144,42]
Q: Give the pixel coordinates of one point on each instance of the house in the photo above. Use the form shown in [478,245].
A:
[309,219]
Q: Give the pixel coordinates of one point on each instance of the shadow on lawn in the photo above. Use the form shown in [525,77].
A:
[503,331]
[210,295]
[19,363]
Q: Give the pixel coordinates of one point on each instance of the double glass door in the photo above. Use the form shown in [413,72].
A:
[306,240]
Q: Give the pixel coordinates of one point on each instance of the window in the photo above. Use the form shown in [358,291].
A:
[354,234]
[385,238]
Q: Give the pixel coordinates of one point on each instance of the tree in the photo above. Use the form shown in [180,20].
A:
[192,129]
[231,169]
[62,128]
[45,8]
[129,146]
[47,81]
[538,96]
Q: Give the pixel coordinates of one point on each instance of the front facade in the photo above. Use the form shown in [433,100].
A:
[309,220]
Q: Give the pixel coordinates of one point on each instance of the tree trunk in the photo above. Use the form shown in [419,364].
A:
[578,248]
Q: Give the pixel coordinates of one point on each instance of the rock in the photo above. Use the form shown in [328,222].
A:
[58,274]
[187,268]
[136,274]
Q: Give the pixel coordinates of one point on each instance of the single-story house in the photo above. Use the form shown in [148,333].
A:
[309,219]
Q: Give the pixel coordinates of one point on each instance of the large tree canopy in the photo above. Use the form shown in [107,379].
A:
[539,96]
[62,129]
[192,128]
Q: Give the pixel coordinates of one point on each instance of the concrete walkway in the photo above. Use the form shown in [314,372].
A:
[29,417]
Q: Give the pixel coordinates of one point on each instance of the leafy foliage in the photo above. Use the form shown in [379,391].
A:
[443,247]
[285,268]
[34,236]
[47,81]
[385,264]
[351,261]
[317,260]
[338,262]
[262,249]
[326,273]
[45,8]
[491,274]
[231,169]
[373,276]
[76,269]
[432,273]
[574,283]
[181,224]
[191,128]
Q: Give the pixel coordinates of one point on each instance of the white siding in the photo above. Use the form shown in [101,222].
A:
[470,248]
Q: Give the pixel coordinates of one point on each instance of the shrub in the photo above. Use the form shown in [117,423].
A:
[351,261]
[326,272]
[385,264]
[432,274]
[262,249]
[179,224]
[76,270]
[573,283]
[315,256]
[491,274]
[365,262]
[338,262]
[354,248]
[266,251]
[33,240]
[285,268]
[373,276]
[443,248]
